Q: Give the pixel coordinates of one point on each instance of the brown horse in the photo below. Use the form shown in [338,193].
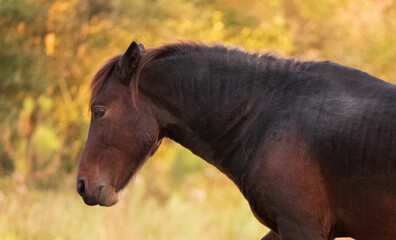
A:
[311,145]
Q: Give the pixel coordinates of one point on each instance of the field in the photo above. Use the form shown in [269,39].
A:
[148,209]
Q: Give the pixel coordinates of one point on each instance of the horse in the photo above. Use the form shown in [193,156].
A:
[309,144]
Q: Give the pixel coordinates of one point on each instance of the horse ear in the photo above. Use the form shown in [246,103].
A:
[128,62]
[141,47]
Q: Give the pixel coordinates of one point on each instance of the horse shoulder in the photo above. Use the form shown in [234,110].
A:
[286,185]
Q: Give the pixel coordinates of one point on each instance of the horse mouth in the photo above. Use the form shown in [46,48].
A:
[106,196]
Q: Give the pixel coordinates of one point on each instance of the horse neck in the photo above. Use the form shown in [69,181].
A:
[209,107]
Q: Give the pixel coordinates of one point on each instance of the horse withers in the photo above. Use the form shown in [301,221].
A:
[309,144]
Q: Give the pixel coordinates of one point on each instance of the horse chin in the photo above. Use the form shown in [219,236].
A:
[107,197]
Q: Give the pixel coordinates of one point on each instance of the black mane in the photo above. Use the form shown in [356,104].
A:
[229,67]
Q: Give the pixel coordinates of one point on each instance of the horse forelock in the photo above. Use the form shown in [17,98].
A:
[100,78]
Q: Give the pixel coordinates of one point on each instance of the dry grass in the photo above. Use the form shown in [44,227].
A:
[218,212]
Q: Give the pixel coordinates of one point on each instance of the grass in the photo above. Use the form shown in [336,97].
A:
[191,211]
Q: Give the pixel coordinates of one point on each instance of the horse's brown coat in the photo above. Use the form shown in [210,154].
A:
[284,162]
[310,145]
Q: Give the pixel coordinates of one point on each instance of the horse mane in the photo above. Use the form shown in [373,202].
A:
[168,50]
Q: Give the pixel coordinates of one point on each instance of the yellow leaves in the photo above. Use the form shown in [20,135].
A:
[21,27]
[28,106]
[270,34]
[61,6]
[60,15]
[218,26]
[279,20]
[45,103]
[246,31]
[35,142]
[50,44]
[217,16]
[59,12]
[218,31]
[217,19]
[24,120]
[21,161]
[95,26]
[45,140]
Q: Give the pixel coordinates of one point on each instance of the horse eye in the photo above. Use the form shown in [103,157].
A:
[98,113]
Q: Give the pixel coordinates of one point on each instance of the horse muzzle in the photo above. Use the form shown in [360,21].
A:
[104,195]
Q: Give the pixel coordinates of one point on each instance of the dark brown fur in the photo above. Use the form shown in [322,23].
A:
[310,145]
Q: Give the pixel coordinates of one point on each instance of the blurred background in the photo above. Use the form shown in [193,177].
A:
[49,52]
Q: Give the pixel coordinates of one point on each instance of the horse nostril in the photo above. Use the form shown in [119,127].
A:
[81,187]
